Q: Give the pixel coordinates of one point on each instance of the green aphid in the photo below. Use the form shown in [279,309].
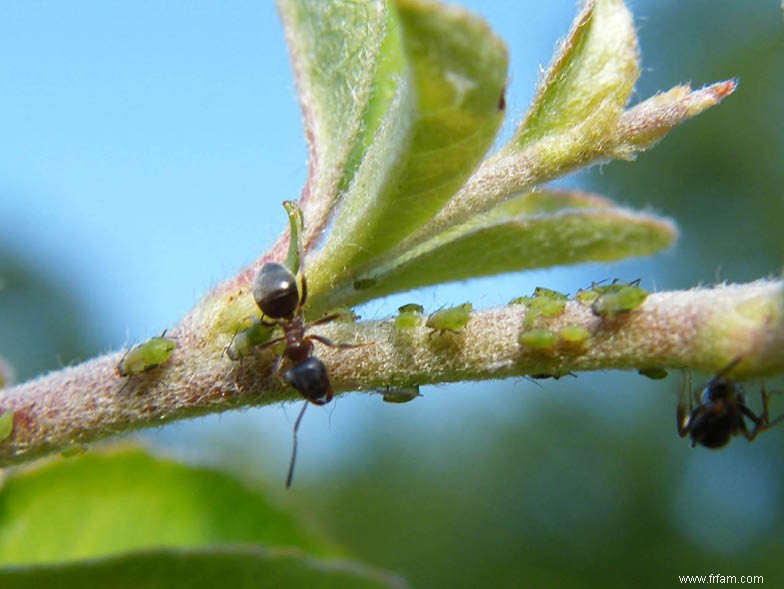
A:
[542,307]
[520,301]
[401,394]
[619,298]
[548,293]
[548,307]
[409,316]
[541,339]
[530,318]
[586,296]
[6,425]
[653,372]
[151,354]
[245,340]
[573,334]
[364,283]
[452,319]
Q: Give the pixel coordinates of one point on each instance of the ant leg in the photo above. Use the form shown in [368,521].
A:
[684,420]
[271,342]
[762,422]
[331,344]
[323,320]
[226,348]
[294,448]
[758,424]
[276,368]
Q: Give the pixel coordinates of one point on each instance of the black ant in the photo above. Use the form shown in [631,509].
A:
[277,295]
[720,413]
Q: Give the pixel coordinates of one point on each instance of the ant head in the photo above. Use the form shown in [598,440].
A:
[275,290]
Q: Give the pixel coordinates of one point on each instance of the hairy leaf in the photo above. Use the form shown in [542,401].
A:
[346,62]
[442,121]
[591,78]
[533,230]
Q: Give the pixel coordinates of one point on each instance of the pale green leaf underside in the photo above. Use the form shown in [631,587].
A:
[345,74]
[441,123]
[530,231]
[591,78]
[573,115]
[99,504]
[236,567]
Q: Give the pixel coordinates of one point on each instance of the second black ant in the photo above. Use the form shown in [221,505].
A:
[721,412]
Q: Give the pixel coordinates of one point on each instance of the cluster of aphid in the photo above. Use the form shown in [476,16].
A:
[545,303]
[718,416]
[614,300]
[445,320]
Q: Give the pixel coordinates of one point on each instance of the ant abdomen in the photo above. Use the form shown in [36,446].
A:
[275,290]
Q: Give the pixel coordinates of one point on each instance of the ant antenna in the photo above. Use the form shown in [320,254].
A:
[294,448]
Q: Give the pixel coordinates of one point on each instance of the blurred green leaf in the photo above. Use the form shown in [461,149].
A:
[102,503]
[443,120]
[535,230]
[235,567]
[37,336]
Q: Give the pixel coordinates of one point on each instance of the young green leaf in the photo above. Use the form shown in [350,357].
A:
[346,78]
[643,125]
[590,80]
[442,122]
[577,117]
[578,103]
[294,258]
[500,242]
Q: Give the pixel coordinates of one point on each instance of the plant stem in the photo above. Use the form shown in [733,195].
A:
[700,329]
